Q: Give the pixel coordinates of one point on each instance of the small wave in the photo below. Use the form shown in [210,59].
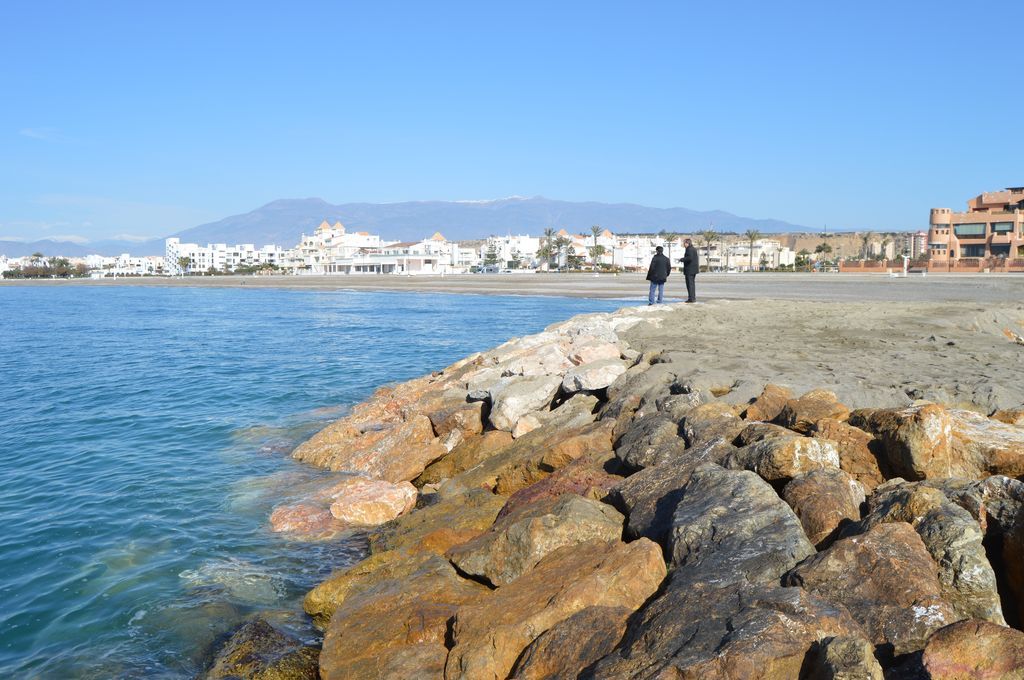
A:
[243,581]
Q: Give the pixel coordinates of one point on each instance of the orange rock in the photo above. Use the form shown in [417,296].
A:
[769,405]
[490,634]
[370,502]
[394,453]
[372,633]
[975,649]
[301,519]
[856,457]
[801,414]
[931,441]
[464,456]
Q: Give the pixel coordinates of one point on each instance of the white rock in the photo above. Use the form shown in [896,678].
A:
[527,423]
[588,351]
[593,376]
[512,398]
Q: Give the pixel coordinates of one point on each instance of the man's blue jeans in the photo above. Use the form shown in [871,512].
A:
[660,287]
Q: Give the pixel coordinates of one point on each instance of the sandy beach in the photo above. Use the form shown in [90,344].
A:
[986,288]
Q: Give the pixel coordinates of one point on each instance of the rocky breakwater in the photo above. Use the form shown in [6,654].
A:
[579,509]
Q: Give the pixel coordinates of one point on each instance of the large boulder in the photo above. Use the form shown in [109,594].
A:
[576,411]
[370,502]
[588,351]
[824,500]
[975,649]
[593,376]
[857,450]
[758,431]
[802,414]
[521,539]
[462,416]
[701,630]
[468,453]
[931,441]
[466,514]
[259,651]
[887,581]
[568,647]
[531,458]
[952,537]
[649,441]
[491,634]
[587,476]
[711,421]
[731,540]
[303,519]
[376,631]
[769,404]
[779,459]
[649,497]
[636,392]
[733,524]
[392,451]
[548,358]
[676,406]
[515,397]
[323,600]
[997,504]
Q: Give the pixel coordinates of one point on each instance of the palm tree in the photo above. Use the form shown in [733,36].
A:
[561,242]
[864,240]
[545,250]
[752,235]
[709,236]
[183,264]
[597,250]
[670,238]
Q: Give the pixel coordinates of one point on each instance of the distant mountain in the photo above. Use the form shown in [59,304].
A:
[283,221]
[46,247]
[71,249]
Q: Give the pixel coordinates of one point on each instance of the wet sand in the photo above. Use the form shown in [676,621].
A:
[982,288]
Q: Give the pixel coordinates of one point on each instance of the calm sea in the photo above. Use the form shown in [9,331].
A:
[144,436]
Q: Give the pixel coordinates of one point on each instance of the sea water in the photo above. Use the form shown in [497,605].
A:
[144,440]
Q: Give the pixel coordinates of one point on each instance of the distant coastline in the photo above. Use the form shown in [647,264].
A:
[625,286]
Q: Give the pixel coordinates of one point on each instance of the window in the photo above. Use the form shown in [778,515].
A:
[974,229]
[972,251]
[1002,227]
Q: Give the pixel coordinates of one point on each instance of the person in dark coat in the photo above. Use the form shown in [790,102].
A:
[691,265]
[657,274]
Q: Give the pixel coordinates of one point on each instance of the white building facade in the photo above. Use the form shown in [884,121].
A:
[221,257]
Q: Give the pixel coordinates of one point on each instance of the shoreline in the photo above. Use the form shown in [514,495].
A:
[550,455]
[989,288]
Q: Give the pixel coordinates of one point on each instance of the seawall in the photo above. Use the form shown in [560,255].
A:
[739,489]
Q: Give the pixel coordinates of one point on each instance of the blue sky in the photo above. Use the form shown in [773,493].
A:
[143,118]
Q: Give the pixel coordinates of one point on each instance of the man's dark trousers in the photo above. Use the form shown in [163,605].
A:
[691,287]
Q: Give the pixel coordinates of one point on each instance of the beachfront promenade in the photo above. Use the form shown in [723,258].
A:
[823,287]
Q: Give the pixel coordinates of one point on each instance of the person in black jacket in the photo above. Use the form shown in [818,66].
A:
[657,274]
[691,265]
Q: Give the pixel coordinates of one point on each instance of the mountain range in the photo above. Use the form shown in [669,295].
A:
[283,221]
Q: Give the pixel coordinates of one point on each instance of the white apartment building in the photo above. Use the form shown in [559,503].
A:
[766,254]
[330,246]
[220,256]
[521,248]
